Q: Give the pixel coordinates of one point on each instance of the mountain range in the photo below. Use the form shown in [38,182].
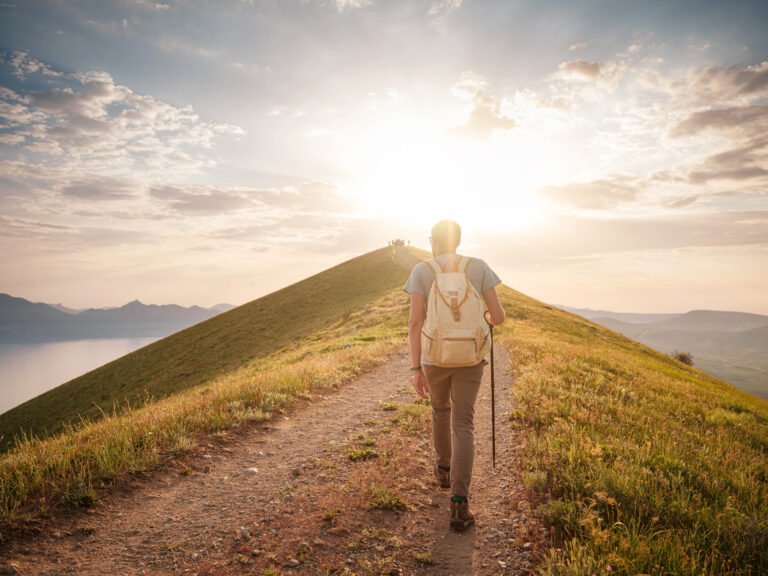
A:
[24,321]
[730,345]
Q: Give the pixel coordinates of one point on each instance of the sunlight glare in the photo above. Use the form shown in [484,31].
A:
[411,173]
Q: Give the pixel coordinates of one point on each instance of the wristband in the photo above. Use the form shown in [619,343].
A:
[415,368]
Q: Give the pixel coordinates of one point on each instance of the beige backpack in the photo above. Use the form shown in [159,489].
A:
[455,332]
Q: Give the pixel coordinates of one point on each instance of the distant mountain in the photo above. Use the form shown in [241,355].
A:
[65,309]
[222,307]
[24,321]
[730,345]
[633,317]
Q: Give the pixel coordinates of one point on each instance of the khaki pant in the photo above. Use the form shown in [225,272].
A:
[453,392]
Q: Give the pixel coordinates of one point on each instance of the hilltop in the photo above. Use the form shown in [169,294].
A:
[198,354]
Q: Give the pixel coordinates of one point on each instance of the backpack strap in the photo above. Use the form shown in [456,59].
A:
[461,265]
[432,263]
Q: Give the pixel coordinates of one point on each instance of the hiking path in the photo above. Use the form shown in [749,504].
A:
[341,483]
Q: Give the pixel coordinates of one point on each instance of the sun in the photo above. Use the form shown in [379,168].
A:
[410,172]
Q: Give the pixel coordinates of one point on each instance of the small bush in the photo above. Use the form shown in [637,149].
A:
[362,454]
[535,481]
[684,357]
[383,499]
[331,516]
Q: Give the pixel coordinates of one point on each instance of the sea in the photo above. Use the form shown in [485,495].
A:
[28,370]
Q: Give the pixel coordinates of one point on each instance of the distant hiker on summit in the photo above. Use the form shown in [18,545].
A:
[448,331]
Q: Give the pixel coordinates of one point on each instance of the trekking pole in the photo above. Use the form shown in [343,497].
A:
[493,403]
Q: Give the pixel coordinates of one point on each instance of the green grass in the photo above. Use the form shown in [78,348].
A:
[424,558]
[386,499]
[412,416]
[641,463]
[212,348]
[361,454]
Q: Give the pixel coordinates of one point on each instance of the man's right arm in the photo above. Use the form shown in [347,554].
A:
[495,314]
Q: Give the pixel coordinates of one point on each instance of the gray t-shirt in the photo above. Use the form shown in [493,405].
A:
[479,273]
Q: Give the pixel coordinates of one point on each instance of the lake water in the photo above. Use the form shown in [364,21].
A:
[28,370]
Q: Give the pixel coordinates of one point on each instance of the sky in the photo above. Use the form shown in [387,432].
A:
[608,154]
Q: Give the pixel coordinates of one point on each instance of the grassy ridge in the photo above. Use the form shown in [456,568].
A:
[642,465]
[212,348]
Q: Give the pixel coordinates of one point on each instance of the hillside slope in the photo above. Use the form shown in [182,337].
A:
[210,348]
[642,465]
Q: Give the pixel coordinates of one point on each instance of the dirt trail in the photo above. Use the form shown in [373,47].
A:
[267,497]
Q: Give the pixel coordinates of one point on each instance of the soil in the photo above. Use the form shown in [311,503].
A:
[340,484]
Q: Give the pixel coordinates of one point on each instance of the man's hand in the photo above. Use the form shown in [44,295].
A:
[420,384]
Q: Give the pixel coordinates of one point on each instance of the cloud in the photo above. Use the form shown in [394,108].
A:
[156,6]
[23,227]
[596,195]
[340,5]
[699,46]
[681,202]
[440,10]
[201,200]
[557,103]
[580,70]
[564,237]
[722,83]
[89,124]
[311,196]
[727,104]
[97,189]
[580,45]
[747,162]
[585,82]
[741,118]
[486,115]
[15,110]
[743,173]
[310,199]
[24,65]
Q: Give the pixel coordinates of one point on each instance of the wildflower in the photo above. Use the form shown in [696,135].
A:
[558,550]
[608,568]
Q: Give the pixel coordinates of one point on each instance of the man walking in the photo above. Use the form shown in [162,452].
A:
[446,370]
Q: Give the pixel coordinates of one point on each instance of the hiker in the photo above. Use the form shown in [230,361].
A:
[449,381]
